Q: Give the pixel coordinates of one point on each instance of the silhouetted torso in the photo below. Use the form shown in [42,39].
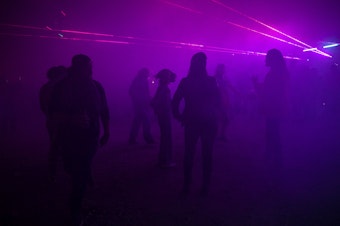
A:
[201,98]
[84,98]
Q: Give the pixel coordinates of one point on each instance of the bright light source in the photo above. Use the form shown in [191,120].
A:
[311,49]
[330,45]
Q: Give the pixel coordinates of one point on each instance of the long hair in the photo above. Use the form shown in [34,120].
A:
[275,60]
[198,65]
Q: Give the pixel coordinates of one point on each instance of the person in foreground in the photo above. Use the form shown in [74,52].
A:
[80,103]
[200,118]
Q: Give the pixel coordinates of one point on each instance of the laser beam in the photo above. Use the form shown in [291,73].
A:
[268,26]
[182,7]
[264,34]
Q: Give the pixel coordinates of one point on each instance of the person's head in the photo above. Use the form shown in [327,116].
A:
[81,66]
[143,74]
[166,76]
[275,60]
[55,73]
[198,65]
[220,70]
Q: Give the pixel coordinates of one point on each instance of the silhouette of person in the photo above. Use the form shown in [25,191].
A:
[161,103]
[54,76]
[199,117]
[81,104]
[274,98]
[140,96]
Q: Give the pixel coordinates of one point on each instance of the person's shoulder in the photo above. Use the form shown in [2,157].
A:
[211,80]
[98,84]
[44,86]
[184,80]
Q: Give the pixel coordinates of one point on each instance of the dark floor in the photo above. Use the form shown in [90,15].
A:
[131,190]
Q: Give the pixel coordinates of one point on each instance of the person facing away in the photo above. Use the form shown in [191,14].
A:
[274,100]
[199,117]
[161,104]
[140,96]
[54,76]
[80,103]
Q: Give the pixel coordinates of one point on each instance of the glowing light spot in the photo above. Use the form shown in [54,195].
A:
[61,35]
[63,13]
[48,28]
[330,45]
[310,49]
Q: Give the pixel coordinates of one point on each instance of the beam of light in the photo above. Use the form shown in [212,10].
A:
[191,44]
[182,7]
[67,38]
[264,34]
[62,12]
[249,29]
[112,41]
[321,53]
[267,35]
[310,49]
[242,52]
[172,44]
[259,22]
[85,33]
[330,45]
[268,26]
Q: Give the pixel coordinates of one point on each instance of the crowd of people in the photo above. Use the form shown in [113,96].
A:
[78,116]
[76,109]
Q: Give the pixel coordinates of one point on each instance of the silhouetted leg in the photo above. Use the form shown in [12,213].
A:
[165,147]
[273,150]
[208,139]
[53,161]
[147,127]
[136,123]
[77,156]
[191,135]
[54,151]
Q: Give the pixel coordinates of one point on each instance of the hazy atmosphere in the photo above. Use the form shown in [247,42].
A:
[121,37]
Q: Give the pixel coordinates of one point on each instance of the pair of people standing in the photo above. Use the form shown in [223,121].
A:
[161,104]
